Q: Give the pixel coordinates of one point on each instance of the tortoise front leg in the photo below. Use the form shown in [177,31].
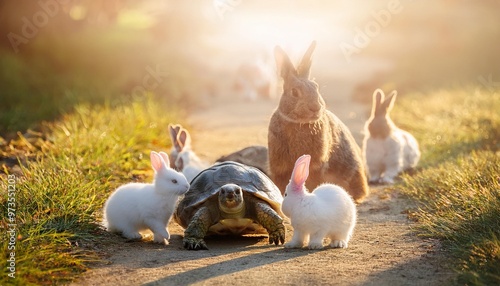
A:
[271,221]
[196,230]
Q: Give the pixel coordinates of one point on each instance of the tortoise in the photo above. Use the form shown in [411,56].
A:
[230,198]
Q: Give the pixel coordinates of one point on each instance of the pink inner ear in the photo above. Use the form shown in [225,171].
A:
[156,161]
[301,170]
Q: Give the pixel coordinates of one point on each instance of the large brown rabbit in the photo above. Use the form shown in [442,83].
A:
[302,125]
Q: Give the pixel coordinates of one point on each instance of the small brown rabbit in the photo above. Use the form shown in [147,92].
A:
[302,125]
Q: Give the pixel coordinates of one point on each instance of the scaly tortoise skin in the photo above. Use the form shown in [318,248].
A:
[230,198]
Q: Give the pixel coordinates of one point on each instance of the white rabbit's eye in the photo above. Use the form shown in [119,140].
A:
[295,92]
[286,194]
[237,192]
[174,181]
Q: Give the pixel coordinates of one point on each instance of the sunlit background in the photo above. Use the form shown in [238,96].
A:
[55,54]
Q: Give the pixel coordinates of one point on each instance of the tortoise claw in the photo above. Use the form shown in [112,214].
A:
[277,236]
[191,243]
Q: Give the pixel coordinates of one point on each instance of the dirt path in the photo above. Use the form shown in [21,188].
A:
[383,250]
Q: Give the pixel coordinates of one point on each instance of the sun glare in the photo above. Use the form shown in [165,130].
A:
[285,29]
[135,19]
[78,12]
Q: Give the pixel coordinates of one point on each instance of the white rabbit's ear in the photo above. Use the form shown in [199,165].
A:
[304,67]
[389,101]
[156,161]
[184,139]
[301,170]
[283,63]
[166,159]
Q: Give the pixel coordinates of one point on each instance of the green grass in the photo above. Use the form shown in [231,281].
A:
[59,195]
[451,123]
[457,187]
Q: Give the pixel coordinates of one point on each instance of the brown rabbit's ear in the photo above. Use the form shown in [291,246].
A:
[389,101]
[304,67]
[283,63]
[174,132]
[378,97]
[179,163]
[184,139]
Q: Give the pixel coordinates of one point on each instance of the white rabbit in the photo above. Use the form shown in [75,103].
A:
[187,161]
[190,164]
[327,212]
[138,207]
[387,150]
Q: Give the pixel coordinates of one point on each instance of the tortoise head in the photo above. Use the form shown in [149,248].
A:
[231,199]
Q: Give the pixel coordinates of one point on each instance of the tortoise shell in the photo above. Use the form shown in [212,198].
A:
[205,187]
